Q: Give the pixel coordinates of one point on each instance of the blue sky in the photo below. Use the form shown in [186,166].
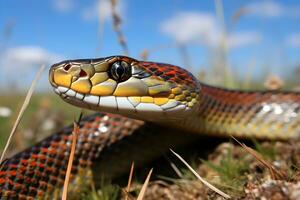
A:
[33,32]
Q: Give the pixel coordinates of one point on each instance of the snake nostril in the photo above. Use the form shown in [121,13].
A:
[67,66]
[82,73]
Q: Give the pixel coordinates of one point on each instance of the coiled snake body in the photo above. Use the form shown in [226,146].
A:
[156,101]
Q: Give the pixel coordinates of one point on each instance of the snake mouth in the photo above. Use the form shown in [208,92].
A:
[145,108]
[51,78]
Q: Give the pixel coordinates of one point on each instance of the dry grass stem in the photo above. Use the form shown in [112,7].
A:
[70,162]
[145,185]
[275,174]
[174,167]
[224,70]
[146,52]
[185,56]
[177,171]
[23,108]
[223,194]
[249,77]
[129,181]
[238,14]
[117,22]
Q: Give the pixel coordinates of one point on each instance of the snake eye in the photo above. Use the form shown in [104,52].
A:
[120,71]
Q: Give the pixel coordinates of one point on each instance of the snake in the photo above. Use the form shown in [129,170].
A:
[143,109]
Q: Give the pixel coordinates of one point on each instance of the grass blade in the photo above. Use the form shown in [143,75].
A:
[145,185]
[70,162]
[129,181]
[23,108]
[275,174]
[226,196]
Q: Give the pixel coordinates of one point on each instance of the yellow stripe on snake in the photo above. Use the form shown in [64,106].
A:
[142,103]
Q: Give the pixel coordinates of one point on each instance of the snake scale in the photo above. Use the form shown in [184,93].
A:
[143,105]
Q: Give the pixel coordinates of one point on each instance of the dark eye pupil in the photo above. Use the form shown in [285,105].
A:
[120,71]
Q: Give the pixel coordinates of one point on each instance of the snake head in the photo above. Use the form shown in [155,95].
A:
[123,85]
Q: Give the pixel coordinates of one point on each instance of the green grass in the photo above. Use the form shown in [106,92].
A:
[267,152]
[50,103]
[107,192]
[231,172]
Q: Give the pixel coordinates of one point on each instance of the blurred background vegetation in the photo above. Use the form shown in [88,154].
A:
[235,44]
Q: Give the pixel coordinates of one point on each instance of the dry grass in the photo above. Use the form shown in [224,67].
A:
[22,110]
[129,181]
[117,22]
[145,185]
[218,191]
[71,158]
[144,55]
[275,174]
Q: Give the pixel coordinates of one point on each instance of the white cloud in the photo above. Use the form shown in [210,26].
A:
[266,8]
[272,9]
[101,10]
[199,27]
[241,39]
[23,57]
[191,26]
[97,10]
[63,5]
[293,40]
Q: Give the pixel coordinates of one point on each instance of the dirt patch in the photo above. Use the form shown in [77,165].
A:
[238,173]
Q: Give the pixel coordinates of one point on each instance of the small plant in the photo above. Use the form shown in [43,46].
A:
[186,173]
[267,152]
[107,192]
[231,172]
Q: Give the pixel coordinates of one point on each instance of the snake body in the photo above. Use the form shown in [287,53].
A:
[159,103]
